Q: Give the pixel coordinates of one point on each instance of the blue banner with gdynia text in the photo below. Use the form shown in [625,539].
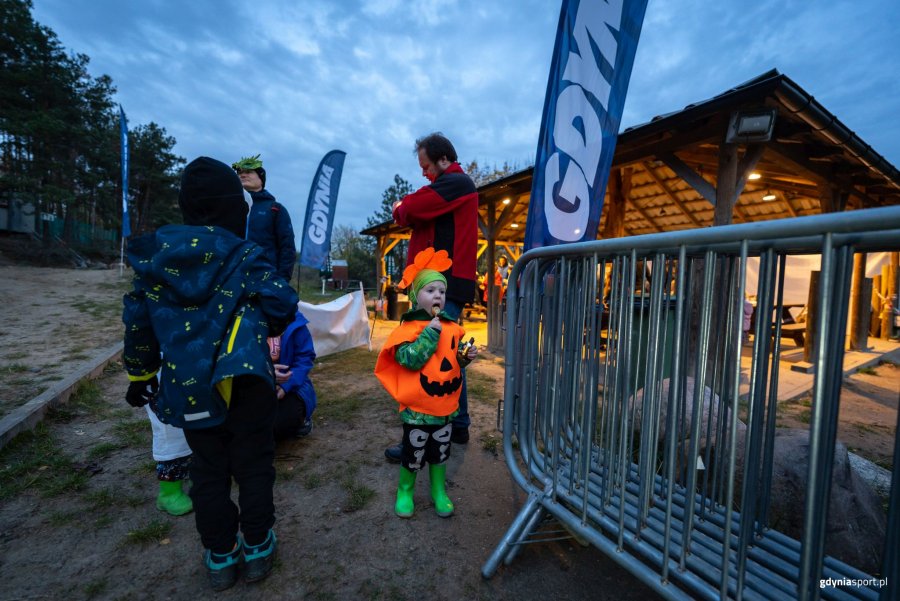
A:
[592,59]
[323,193]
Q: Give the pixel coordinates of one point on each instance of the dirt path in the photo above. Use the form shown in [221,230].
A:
[77,512]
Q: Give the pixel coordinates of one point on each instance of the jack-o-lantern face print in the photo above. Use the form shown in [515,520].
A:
[441,374]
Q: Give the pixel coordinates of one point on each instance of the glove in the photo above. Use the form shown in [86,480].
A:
[141,393]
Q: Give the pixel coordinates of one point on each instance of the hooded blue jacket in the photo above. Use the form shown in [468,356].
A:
[270,227]
[202,304]
[298,352]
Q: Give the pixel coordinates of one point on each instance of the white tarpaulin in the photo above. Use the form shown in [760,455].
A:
[338,325]
[797,274]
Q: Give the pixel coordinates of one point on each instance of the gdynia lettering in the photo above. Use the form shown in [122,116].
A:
[318,221]
[577,132]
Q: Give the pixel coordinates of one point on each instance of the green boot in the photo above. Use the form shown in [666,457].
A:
[442,503]
[172,499]
[404,507]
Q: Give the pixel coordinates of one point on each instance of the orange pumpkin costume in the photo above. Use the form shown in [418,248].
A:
[433,390]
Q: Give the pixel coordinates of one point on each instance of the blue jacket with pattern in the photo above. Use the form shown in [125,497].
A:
[202,304]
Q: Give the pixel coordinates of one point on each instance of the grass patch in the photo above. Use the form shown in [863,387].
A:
[490,443]
[144,469]
[153,532]
[869,371]
[61,518]
[13,368]
[17,355]
[804,416]
[338,399]
[869,428]
[95,587]
[358,495]
[480,387]
[133,433]
[99,309]
[284,472]
[88,398]
[312,481]
[107,498]
[33,461]
[103,450]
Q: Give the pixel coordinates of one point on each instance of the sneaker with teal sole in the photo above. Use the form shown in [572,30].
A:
[222,568]
[259,559]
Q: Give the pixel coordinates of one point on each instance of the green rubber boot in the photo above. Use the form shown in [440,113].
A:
[442,503]
[404,507]
[172,499]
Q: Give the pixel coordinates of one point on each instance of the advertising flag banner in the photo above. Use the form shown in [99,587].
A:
[589,73]
[123,132]
[316,238]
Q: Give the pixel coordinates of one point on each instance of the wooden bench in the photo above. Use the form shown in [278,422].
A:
[794,331]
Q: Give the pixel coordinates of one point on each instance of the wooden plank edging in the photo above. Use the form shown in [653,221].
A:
[32,413]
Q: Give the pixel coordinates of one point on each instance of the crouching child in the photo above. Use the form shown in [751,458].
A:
[421,367]
[202,304]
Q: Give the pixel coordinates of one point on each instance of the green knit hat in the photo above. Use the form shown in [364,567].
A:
[422,279]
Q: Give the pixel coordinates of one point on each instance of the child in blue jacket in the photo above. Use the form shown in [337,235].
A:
[202,305]
[294,356]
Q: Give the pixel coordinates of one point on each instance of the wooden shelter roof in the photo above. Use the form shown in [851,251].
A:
[672,164]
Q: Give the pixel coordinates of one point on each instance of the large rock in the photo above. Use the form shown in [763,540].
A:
[710,410]
[856,524]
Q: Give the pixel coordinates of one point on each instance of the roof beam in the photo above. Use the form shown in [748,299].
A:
[745,166]
[672,141]
[816,173]
[693,179]
[671,195]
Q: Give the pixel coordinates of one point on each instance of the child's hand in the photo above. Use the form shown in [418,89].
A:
[472,352]
[282,373]
[436,324]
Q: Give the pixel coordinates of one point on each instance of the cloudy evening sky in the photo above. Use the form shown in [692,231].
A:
[294,79]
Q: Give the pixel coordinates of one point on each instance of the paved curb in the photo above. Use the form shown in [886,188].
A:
[32,413]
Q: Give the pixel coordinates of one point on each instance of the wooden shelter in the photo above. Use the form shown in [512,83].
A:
[765,149]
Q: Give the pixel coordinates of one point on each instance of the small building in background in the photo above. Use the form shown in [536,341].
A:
[340,275]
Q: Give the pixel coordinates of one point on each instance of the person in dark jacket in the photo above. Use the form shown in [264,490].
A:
[202,304]
[444,215]
[270,222]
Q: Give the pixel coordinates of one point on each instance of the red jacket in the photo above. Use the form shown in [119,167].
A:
[445,215]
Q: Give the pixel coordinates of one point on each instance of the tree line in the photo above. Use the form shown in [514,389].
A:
[59,138]
[60,149]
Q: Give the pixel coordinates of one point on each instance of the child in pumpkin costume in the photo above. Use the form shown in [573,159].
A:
[421,368]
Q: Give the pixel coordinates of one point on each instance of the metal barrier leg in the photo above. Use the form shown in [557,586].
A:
[530,527]
[531,510]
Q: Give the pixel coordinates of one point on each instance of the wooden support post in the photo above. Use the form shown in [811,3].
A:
[726,185]
[885,302]
[858,317]
[893,292]
[810,344]
[875,322]
[619,191]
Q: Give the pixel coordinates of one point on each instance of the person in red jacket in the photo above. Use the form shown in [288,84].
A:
[444,215]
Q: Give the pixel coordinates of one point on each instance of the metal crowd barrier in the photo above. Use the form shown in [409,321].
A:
[604,434]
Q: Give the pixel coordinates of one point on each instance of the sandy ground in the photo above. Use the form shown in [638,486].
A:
[79,519]
[86,526]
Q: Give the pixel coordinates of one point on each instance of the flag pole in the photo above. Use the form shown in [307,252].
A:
[126,221]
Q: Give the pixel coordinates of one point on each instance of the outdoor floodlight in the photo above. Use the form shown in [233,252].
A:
[755,126]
